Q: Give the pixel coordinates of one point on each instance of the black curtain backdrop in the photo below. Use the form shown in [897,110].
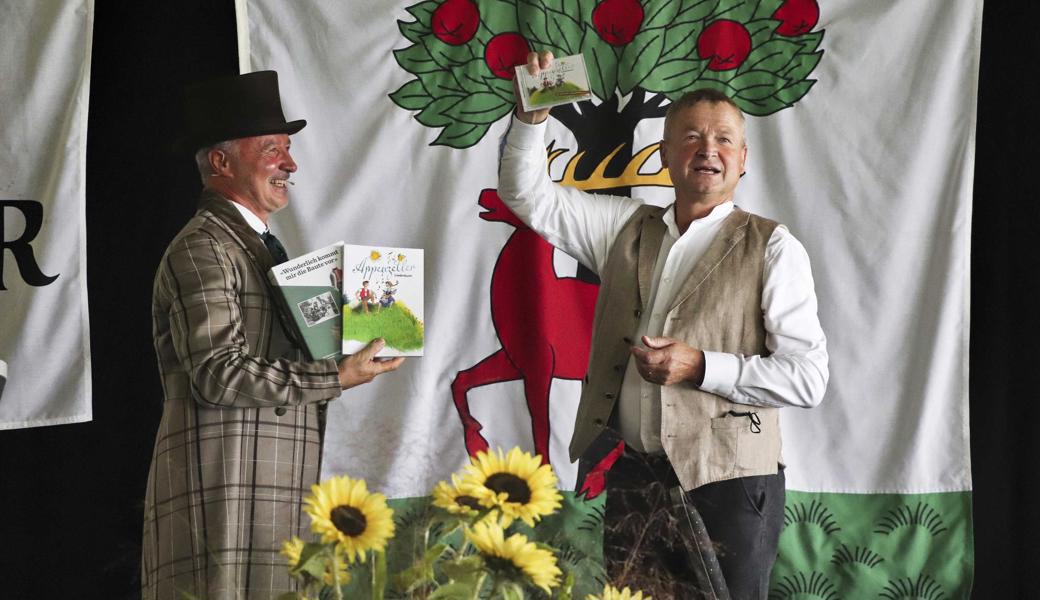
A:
[71,496]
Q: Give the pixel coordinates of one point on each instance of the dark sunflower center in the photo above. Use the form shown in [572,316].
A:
[516,489]
[504,566]
[468,502]
[349,520]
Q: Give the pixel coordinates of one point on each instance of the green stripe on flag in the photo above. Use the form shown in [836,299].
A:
[888,546]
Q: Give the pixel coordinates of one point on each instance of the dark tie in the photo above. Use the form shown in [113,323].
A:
[275,247]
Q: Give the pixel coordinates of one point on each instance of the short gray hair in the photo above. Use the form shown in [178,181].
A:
[202,158]
[709,95]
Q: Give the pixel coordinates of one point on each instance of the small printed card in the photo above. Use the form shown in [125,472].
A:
[565,81]
[383,297]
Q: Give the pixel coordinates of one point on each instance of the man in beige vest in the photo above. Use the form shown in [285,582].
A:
[705,326]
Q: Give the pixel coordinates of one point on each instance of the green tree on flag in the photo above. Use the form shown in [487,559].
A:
[758,52]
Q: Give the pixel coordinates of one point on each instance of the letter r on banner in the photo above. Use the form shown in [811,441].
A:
[19,247]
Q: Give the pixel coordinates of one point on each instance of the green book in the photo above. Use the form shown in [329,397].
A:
[310,287]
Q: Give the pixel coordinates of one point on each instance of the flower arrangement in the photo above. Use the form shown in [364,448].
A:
[475,543]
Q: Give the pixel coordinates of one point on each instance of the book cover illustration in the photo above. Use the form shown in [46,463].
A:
[383,297]
[311,288]
[565,81]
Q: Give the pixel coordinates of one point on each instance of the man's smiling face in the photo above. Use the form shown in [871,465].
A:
[704,152]
[258,170]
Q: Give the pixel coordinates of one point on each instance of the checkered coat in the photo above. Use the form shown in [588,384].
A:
[239,443]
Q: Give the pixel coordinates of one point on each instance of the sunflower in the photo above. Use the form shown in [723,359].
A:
[343,511]
[292,549]
[374,255]
[515,554]
[454,498]
[517,484]
[612,593]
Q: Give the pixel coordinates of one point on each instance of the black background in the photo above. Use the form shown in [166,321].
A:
[70,496]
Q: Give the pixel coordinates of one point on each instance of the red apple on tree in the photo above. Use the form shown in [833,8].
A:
[505,51]
[617,21]
[797,16]
[455,21]
[727,43]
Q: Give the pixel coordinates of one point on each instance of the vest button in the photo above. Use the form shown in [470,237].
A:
[618,368]
[638,312]
[598,422]
[279,411]
[608,396]
[627,340]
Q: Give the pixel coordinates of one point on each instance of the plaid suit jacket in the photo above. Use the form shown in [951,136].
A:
[239,443]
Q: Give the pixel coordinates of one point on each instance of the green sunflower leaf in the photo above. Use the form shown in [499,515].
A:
[411,96]
[602,64]
[414,577]
[455,591]
[314,560]
[639,57]
[416,59]
[433,553]
[460,135]
[511,591]
[465,569]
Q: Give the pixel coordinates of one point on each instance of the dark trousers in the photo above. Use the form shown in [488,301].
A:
[643,534]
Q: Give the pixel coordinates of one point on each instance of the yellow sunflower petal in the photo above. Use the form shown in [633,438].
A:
[517,484]
[612,593]
[343,511]
[537,564]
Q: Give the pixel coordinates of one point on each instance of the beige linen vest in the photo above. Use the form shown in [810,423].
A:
[718,308]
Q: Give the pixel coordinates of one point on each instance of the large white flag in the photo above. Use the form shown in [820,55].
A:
[44,331]
[861,135]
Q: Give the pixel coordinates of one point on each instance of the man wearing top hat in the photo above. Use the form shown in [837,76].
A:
[239,443]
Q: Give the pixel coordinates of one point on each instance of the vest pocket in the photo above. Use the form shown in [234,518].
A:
[725,447]
[738,448]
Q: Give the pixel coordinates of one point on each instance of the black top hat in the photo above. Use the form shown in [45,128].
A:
[234,107]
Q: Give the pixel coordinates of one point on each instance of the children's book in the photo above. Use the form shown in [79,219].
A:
[565,81]
[311,288]
[383,297]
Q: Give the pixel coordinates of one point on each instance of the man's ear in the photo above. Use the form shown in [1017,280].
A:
[663,153]
[219,162]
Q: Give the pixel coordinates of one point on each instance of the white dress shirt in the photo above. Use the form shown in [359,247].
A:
[585,226]
[251,219]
